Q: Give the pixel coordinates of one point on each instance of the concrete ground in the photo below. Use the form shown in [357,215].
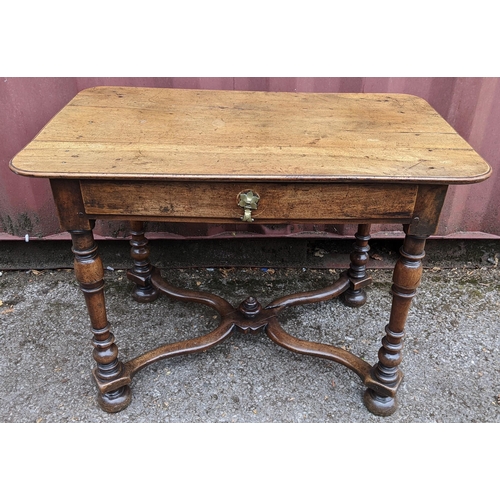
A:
[451,353]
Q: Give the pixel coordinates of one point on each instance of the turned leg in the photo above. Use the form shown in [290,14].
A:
[407,273]
[89,273]
[356,295]
[140,274]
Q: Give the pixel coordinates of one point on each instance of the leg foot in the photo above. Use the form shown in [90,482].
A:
[115,401]
[144,294]
[382,406]
[354,298]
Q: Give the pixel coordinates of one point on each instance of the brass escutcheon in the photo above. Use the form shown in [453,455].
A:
[248,200]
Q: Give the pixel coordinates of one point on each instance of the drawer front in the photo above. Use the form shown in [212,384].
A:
[219,201]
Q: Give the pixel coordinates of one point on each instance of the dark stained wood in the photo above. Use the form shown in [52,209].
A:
[355,296]
[428,205]
[140,274]
[407,274]
[208,299]
[248,317]
[187,156]
[327,293]
[89,273]
[278,335]
[69,204]
[279,202]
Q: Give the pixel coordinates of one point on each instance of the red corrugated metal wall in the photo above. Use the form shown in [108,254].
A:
[470,105]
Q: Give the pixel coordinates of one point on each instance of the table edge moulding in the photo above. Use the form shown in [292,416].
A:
[158,154]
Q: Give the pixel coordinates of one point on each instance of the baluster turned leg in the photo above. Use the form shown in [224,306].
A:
[140,274]
[356,295]
[89,273]
[407,274]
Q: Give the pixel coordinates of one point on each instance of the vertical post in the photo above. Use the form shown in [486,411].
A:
[90,275]
[406,279]
[140,273]
[356,296]
[380,397]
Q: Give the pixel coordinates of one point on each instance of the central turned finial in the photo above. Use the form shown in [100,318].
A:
[250,307]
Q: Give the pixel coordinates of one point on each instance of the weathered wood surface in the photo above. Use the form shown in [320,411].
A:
[173,134]
[178,155]
[279,202]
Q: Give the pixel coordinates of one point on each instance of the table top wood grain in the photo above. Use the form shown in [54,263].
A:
[205,135]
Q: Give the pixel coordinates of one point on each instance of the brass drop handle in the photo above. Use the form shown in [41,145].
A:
[248,200]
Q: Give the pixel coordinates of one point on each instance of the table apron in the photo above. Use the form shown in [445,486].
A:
[218,201]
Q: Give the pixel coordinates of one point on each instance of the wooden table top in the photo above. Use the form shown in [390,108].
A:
[174,134]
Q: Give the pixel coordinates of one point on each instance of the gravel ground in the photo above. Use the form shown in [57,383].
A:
[451,364]
[451,356]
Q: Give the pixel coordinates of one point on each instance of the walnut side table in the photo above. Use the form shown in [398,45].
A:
[144,154]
